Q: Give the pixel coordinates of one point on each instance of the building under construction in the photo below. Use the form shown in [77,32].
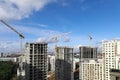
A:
[64,63]
[36,61]
[86,53]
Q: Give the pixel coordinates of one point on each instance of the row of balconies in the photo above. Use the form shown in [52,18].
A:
[37,60]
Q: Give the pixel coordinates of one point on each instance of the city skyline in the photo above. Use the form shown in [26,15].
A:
[39,19]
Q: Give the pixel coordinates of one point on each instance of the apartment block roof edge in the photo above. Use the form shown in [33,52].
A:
[64,47]
[89,46]
[117,39]
[35,43]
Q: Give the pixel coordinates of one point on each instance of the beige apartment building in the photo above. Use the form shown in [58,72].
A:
[92,70]
[110,51]
[86,53]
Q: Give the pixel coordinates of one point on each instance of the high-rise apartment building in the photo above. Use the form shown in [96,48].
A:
[86,53]
[36,61]
[92,70]
[118,61]
[51,63]
[110,49]
[64,63]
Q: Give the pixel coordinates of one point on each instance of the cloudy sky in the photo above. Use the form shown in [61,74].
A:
[40,20]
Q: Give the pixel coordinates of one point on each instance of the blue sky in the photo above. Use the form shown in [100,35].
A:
[40,19]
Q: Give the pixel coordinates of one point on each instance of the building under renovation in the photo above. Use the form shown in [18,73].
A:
[64,63]
[36,61]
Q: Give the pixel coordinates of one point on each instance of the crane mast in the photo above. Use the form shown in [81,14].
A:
[21,37]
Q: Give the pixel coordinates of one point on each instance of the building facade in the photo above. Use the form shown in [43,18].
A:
[92,70]
[8,59]
[64,63]
[86,53]
[110,49]
[36,61]
[117,61]
[115,74]
[51,63]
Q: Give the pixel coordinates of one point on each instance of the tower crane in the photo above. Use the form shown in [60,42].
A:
[21,37]
[55,37]
[90,38]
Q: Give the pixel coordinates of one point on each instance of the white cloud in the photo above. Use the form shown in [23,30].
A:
[104,40]
[28,30]
[64,4]
[43,25]
[18,9]
[54,38]
[66,39]
[79,46]
[36,31]
[45,40]
[35,24]
[3,46]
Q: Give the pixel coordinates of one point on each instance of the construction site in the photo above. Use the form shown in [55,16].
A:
[36,59]
[21,67]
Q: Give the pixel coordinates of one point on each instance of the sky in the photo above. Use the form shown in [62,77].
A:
[41,20]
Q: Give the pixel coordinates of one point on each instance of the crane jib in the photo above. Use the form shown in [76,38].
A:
[12,28]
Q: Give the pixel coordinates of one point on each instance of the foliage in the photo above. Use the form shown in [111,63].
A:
[7,70]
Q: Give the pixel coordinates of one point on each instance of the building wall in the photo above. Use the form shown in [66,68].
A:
[92,71]
[118,62]
[75,60]
[115,74]
[51,63]
[115,78]
[36,61]
[64,63]
[109,50]
[86,53]
[8,59]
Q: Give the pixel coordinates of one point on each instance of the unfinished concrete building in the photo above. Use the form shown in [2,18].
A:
[36,61]
[86,53]
[64,63]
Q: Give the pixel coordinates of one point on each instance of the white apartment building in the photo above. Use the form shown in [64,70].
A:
[110,50]
[118,61]
[92,70]
[51,62]
[8,59]
[75,60]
